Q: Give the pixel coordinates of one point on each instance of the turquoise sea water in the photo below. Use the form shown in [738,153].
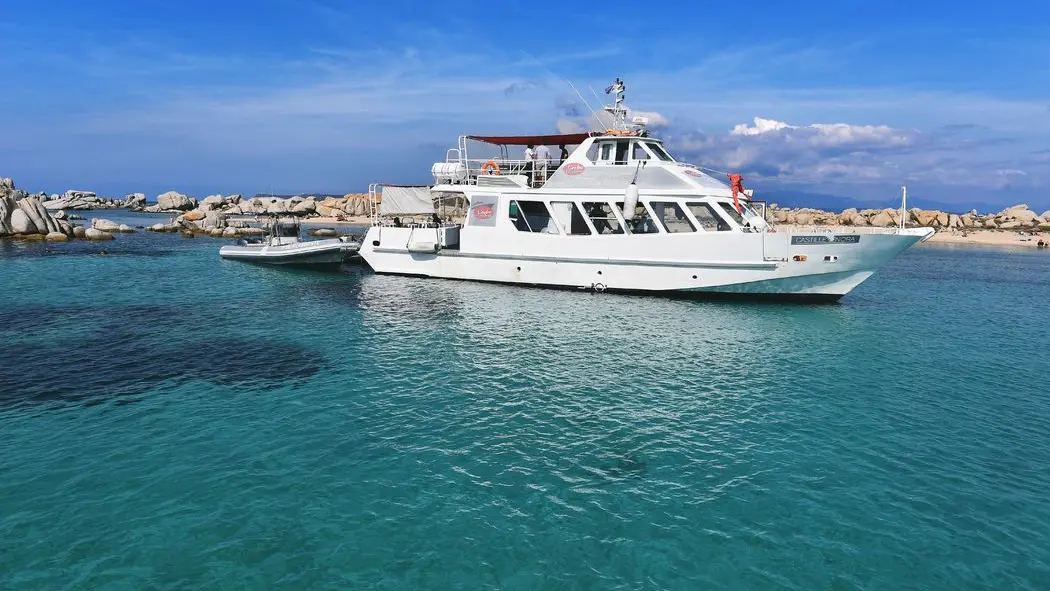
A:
[169,420]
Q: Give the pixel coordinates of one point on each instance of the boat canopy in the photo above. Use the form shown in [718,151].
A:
[405,200]
[567,139]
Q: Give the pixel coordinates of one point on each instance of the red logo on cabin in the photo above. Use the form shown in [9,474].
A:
[483,212]
[691,172]
[574,168]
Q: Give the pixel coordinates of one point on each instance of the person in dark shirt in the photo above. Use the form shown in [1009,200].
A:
[564,154]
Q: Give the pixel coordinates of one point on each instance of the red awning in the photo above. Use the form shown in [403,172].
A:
[536,140]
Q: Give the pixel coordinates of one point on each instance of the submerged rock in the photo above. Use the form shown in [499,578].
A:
[56,237]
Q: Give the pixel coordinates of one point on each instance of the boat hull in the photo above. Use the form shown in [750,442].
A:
[808,270]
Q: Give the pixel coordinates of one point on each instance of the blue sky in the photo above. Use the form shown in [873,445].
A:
[855,97]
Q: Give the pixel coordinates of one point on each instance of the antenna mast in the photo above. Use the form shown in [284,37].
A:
[617,110]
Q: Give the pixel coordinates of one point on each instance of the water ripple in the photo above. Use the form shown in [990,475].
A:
[314,431]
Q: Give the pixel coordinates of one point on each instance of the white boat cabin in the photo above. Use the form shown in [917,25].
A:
[617,183]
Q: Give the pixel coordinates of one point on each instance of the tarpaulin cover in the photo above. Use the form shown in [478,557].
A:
[406,200]
[568,139]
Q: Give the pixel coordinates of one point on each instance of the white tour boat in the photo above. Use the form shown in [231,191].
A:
[618,214]
[283,245]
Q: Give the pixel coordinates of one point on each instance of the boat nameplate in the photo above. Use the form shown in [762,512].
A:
[826,239]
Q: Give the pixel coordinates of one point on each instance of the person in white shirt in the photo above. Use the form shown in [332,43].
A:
[543,161]
[530,160]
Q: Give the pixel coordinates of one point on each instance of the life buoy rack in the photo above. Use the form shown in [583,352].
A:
[490,165]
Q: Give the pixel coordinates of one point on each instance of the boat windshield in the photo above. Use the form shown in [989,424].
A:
[286,230]
[747,217]
[659,151]
[732,212]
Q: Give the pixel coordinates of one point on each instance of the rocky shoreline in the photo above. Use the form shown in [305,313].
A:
[1016,217]
[26,216]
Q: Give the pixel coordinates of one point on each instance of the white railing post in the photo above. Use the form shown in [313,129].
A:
[904,204]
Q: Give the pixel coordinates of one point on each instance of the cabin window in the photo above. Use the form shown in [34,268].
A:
[607,152]
[603,217]
[706,216]
[622,146]
[638,152]
[659,151]
[642,223]
[732,212]
[569,217]
[532,216]
[672,216]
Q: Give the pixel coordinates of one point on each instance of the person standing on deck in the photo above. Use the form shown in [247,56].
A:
[530,159]
[564,155]
[543,162]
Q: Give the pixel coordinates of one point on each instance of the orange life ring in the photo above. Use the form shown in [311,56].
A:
[491,164]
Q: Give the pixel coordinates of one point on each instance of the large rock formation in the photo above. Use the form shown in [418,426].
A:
[80,200]
[25,215]
[212,202]
[173,200]
[134,202]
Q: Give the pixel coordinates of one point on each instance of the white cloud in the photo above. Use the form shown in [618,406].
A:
[826,133]
[761,126]
[848,154]
[843,133]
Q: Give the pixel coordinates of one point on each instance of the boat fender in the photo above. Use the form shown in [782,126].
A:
[630,201]
[490,165]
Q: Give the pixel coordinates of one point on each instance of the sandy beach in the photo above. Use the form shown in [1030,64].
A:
[989,237]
